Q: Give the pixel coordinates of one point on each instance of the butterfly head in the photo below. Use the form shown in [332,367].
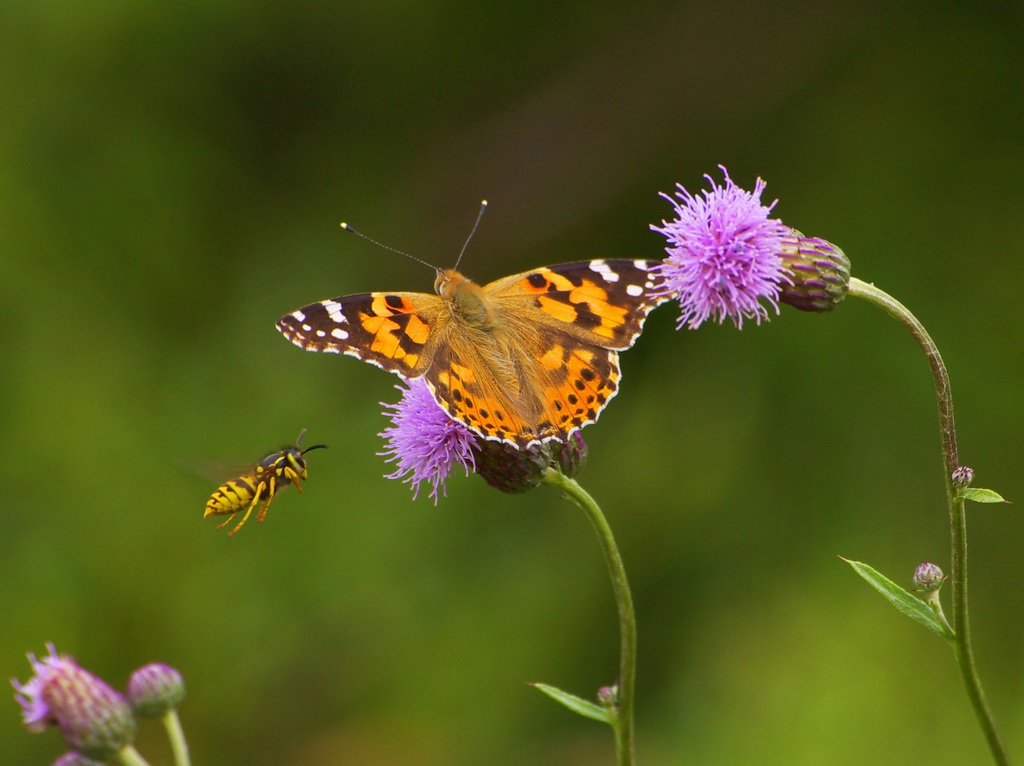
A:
[465,298]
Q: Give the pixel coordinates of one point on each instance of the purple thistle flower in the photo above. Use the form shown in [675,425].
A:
[94,719]
[424,442]
[723,255]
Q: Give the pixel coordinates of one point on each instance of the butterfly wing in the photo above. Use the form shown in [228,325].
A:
[602,302]
[397,332]
[549,364]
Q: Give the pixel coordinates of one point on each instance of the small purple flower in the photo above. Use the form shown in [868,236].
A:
[723,255]
[94,719]
[424,441]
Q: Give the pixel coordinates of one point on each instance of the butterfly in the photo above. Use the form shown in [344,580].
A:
[523,360]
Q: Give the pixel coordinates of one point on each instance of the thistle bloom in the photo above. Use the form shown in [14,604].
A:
[424,442]
[95,720]
[723,255]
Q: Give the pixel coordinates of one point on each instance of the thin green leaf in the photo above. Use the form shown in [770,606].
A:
[912,606]
[576,704]
[983,496]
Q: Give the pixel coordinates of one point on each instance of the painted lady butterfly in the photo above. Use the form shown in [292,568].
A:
[523,360]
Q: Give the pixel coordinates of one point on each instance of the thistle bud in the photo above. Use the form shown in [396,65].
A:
[928,577]
[963,476]
[608,696]
[95,720]
[513,470]
[820,273]
[155,689]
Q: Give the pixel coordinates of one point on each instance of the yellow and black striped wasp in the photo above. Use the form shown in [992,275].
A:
[260,483]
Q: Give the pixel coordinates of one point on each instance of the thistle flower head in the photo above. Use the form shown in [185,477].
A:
[155,689]
[95,720]
[424,442]
[723,255]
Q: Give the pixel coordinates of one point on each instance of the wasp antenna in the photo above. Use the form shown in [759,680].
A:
[298,440]
[483,208]
[346,227]
[315,446]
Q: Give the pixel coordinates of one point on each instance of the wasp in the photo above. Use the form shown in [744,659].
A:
[260,484]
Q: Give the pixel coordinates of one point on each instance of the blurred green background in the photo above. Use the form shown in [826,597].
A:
[172,179]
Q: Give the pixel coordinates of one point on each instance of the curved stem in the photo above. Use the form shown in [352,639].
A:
[957,518]
[622,722]
[177,737]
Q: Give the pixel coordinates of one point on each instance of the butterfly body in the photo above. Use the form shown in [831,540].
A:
[524,359]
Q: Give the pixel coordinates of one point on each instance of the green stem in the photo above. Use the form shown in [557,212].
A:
[622,722]
[957,518]
[129,756]
[177,737]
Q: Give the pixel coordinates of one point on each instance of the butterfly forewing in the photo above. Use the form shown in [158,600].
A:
[602,302]
[395,331]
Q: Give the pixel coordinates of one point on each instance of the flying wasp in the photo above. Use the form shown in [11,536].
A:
[260,484]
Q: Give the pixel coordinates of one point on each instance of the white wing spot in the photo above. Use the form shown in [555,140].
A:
[320,333]
[634,290]
[338,333]
[306,328]
[642,265]
[333,308]
[299,316]
[606,272]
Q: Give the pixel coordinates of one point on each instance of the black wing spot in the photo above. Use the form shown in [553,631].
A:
[537,280]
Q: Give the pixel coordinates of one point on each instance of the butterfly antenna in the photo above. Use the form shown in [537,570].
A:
[346,227]
[483,208]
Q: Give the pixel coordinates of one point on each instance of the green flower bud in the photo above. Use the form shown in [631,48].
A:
[820,273]
[155,689]
[512,470]
[928,577]
[963,476]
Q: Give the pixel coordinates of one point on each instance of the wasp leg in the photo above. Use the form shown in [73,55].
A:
[245,518]
[228,521]
[265,506]
[293,478]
